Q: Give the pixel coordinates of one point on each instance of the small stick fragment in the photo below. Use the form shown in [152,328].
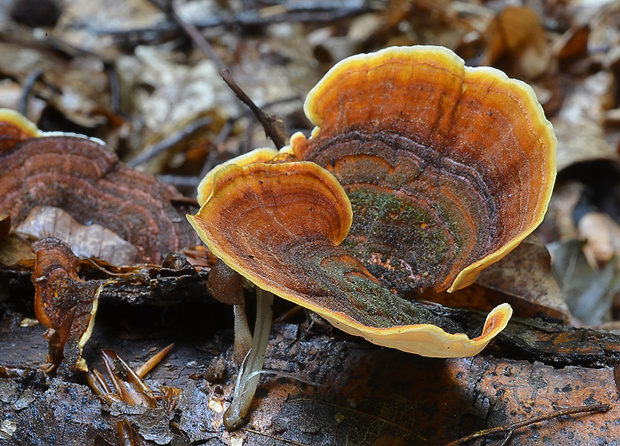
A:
[272,126]
[199,40]
[32,77]
[115,88]
[179,180]
[100,388]
[170,142]
[153,361]
[510,428]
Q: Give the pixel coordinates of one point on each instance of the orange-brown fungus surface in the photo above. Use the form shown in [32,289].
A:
[14,128]
[447,167]
[205,188]
[280,226]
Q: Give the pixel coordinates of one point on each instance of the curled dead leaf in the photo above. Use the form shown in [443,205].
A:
[64,303]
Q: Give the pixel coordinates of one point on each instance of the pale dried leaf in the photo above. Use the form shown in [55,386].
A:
[602,238]
[589,99]
[168,96]
[605,35]
[588,292]
[93,241]
[560,214]
[84,23]
[580,141]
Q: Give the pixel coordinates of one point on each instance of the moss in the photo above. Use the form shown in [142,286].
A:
[390,224]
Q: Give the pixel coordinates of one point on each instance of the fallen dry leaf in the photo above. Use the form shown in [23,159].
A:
[517,42]
[588,291]
[602,238]
[523,278]
[581,140]
[85,240]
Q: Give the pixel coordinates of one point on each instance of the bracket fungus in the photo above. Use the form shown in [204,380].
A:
[84,178]
[448,167]
[65,185]
[420,173]
[280,226]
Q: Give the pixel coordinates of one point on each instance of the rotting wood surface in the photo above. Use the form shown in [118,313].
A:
[366,395]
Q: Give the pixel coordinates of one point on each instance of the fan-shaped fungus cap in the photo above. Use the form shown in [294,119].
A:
[85,178]
[280,226]
[255,156]
[447,167]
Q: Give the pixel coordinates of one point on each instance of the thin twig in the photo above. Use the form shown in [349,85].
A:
[212,159]
[167,143]
[268,122]
[180,180]
[510,428]
[32,77]
[199,40]
[153,361]
[115,89]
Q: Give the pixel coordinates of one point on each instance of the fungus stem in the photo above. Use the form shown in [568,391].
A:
[247,380]
[243,336]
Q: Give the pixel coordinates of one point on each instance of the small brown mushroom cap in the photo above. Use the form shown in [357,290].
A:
[448,168]
[280,226]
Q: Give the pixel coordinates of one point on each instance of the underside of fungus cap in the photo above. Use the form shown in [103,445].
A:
[448,168]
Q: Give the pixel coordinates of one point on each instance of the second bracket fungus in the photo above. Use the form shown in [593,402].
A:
[85,179]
